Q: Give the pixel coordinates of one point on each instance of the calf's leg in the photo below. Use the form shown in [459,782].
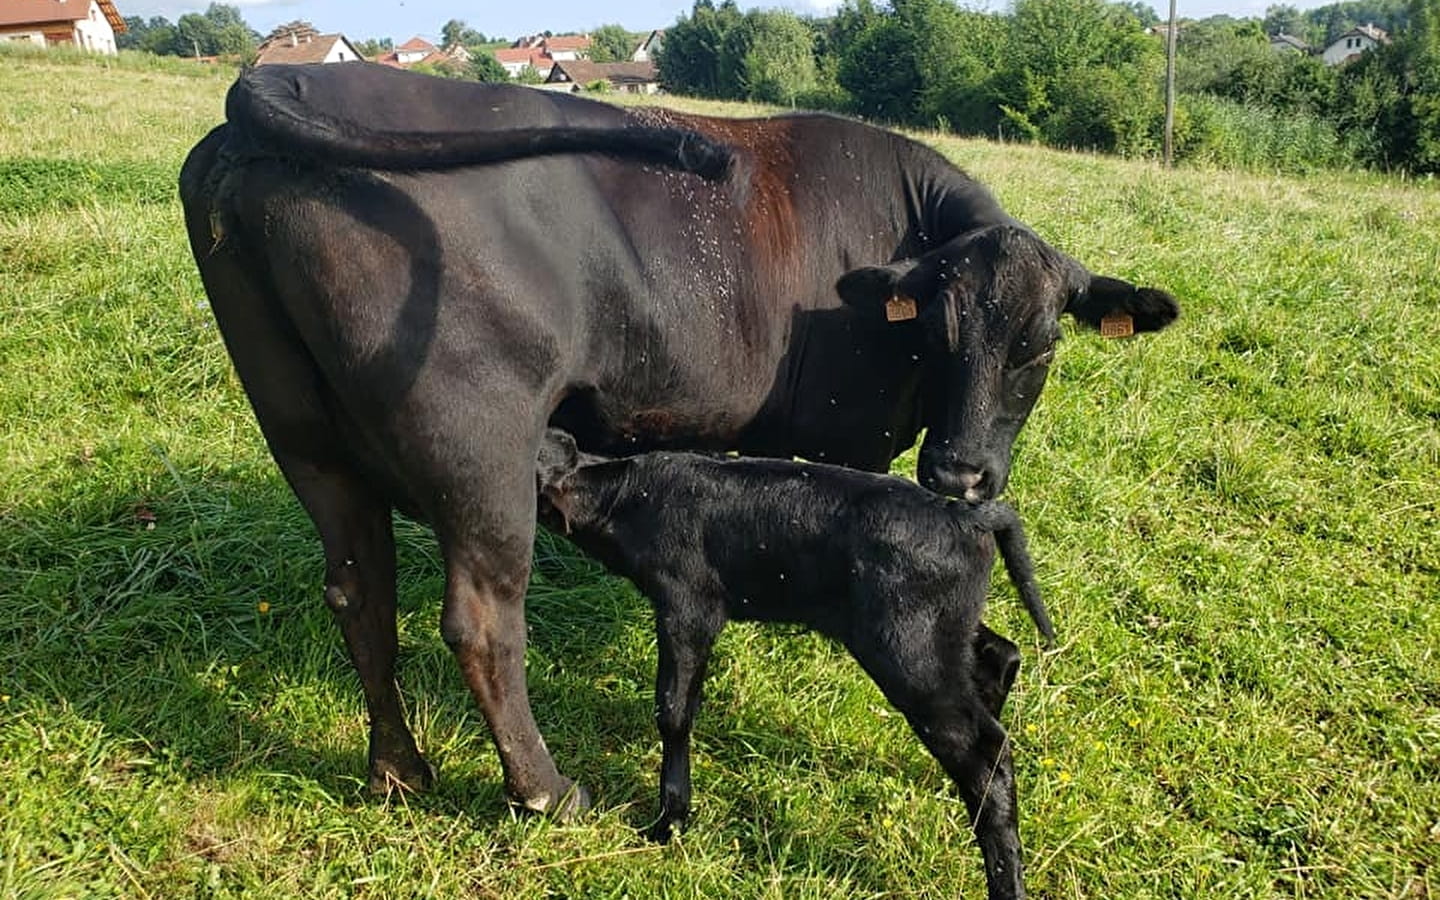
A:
[975,750]
[936,692]
[685,640]
[997,662]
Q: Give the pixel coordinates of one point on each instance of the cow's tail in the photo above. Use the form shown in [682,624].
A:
[273,109]
[1001,519]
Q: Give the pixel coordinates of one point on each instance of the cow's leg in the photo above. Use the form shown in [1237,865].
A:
[285,390]
[355,530]
[483,623]
[685,640]
[997,662]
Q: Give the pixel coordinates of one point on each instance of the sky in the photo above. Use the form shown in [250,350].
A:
[403,19]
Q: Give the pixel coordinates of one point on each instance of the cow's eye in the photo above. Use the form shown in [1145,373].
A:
[1043,359]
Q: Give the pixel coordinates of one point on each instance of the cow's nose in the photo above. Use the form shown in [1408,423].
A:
[970,484]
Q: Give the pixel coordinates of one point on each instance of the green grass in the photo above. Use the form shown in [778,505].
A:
[1235,523]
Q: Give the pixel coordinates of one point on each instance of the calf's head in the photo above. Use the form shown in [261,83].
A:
[555,461]
[985,307]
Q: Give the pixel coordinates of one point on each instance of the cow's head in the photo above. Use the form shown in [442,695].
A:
[986,306]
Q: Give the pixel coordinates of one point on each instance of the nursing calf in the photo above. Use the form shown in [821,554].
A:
[895,573]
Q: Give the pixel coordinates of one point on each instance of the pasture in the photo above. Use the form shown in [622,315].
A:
[1236,523]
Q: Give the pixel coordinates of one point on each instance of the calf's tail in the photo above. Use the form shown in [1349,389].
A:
[1010,537]
[271,103]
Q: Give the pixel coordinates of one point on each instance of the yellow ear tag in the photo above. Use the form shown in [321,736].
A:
[1117,325]
[899,308]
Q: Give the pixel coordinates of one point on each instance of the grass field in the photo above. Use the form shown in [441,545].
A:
[1237,524]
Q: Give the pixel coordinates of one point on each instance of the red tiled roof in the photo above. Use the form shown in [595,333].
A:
[567,42]
[33,12]
[416,43]
[528,55]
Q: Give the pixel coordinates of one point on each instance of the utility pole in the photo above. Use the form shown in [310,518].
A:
[1170,89]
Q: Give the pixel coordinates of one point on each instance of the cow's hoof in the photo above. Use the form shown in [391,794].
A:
[565,806]
[416,777]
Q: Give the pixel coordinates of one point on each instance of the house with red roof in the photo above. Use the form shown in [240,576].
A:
[567,46]
[515,59]
[417,50]
[542,52]
[88,24]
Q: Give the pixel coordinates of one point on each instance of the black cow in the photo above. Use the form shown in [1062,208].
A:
[407,323]
[892,571]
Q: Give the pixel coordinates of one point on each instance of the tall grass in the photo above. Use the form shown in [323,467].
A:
[1221,133]
[1235,523]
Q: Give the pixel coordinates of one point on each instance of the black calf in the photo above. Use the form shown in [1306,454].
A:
[895,573]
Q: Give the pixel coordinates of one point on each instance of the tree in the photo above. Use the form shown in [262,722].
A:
[373,47]
[1391,95]
[1284,19]
[878,69]
[1143,12]
[485,67]
[456,33]
[1082,73]
[779,64]
[611,43]
[697,56]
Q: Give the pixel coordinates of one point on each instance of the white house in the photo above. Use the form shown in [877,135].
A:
[649,47]
[1354,42]
[307,48]
[515,59]
[88,24]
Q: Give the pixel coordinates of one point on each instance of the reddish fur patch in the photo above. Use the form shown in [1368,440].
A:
[766,157]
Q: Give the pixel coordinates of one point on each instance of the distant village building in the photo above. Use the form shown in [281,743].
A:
[541,52]
[622,77]
[649,47]
[417,50]
[306,47]
[87,24]
[567,47]
[515,59]
[1348,46]
[1288,43]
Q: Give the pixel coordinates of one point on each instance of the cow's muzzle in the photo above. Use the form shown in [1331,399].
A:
[941,473]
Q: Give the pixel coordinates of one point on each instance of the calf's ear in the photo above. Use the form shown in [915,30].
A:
[1099,298]
[557,459]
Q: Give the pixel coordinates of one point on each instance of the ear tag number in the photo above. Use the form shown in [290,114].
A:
[1117,325]
[899,308]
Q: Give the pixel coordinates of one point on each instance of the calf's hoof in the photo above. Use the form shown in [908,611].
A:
[415,776]
[666,828]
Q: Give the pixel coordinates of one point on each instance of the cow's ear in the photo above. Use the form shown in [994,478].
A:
[1099,301]
[878,290]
